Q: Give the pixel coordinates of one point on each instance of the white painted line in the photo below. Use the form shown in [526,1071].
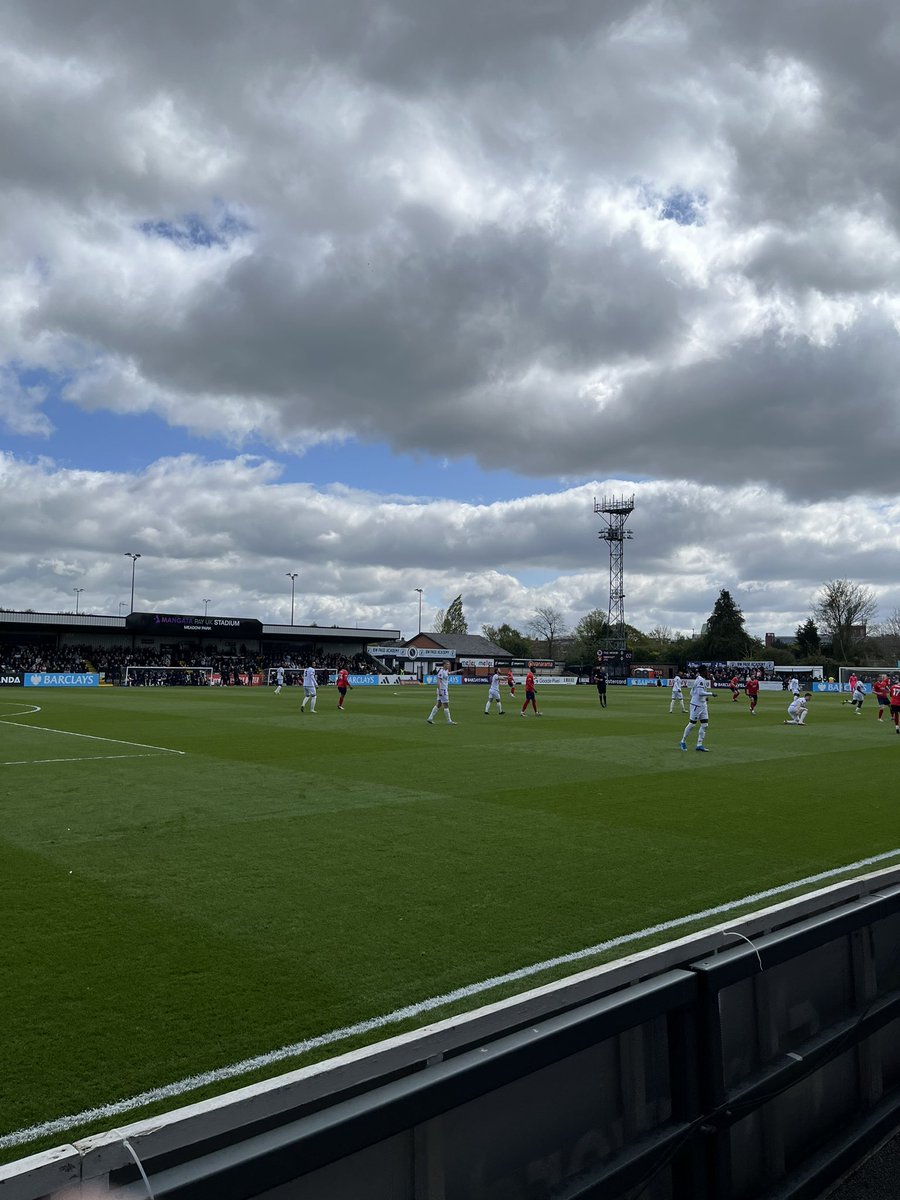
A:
[25,712]
[171,1091]
[33,762]
[93,737]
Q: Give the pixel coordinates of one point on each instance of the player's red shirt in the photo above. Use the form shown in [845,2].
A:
[881,687]
[895,695]
[509,679]
[751,687]
[343,679]
[529,683]
[735,683]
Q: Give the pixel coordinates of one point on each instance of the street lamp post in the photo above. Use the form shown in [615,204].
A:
[206,604]
[292,575]
[77,592]
[419,590]
[134,558]
[121,606]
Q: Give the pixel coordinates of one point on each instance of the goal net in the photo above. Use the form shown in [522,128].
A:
[867,675]
[291,675]
[137,676]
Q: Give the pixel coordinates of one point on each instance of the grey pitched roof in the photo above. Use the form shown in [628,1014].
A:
[470,644]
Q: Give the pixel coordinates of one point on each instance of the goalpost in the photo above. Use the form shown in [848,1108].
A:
[866,675]
[292,675]
[138,676]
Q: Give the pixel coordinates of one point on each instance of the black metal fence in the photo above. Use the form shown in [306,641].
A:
[765,1070]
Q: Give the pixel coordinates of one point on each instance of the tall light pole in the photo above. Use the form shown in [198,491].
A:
[206,604]
[77,592]
[134,558]
[419,590]
[292,575]
[121,606]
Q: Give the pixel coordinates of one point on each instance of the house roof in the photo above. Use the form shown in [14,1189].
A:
[467,643]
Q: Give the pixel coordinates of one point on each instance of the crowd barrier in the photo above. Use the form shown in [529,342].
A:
[758,1058]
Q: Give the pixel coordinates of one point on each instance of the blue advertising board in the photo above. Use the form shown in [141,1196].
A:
[61,679]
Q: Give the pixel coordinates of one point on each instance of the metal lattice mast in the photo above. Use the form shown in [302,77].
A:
[615,510]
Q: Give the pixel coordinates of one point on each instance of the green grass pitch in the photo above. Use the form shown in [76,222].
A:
[168,914]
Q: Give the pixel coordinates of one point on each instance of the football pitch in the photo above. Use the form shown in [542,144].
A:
[194,880]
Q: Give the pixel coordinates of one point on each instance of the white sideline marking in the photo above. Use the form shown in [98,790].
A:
[32,762]
[93,737]
[170,1091]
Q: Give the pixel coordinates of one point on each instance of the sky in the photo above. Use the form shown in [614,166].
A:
[387,292]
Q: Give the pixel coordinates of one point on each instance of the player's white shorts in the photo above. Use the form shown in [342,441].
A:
[309,691]
[493,694]
[676,693]
[442,696]
[699,712]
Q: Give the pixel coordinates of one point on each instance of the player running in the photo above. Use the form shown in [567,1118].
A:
[751,687]
[857,697]
[511,683]
[343,682]
[677,694]
[735,686]
[529,694]
[442,678]
[279,679]
[797,709]
[699,714]
[494,694]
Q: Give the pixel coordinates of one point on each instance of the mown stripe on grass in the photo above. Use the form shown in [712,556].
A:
[171,1091]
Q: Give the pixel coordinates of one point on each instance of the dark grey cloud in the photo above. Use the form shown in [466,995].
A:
[574,241]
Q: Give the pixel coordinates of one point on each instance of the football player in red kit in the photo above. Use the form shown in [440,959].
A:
[343,682]
[529,694]
[751,687]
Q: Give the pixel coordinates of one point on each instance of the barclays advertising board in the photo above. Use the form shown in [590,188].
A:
[61,679]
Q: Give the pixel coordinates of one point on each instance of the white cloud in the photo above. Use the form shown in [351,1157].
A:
[438,229]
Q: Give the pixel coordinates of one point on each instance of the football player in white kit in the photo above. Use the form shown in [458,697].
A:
[699,715]
[442,675]
[797,710]
[279,679]
[310,689]
[677,685]
[494,694]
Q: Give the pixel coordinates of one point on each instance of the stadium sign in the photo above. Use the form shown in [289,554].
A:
[450,679]
[61,679]
[11,679]
[410,652]
[164,624]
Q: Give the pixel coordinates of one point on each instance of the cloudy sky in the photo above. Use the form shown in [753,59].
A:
[385,292]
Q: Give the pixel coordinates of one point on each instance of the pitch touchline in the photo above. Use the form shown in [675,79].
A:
[172,1090]
[33,762]
[93,737]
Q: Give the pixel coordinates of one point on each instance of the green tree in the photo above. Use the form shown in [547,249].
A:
[843,609]
[807,635]
[508,639]
[725,636]
[452,619]
[589,633]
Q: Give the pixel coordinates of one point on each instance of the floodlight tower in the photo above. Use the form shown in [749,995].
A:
[615,511]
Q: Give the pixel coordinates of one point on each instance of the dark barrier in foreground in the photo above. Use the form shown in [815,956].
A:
[765,1069]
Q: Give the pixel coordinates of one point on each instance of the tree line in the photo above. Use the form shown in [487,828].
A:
[837,632]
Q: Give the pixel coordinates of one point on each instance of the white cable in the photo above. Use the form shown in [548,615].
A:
[734,933]
[140,1166]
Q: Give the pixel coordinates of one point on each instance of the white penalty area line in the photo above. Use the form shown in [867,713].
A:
[92,737]
[171,1091]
